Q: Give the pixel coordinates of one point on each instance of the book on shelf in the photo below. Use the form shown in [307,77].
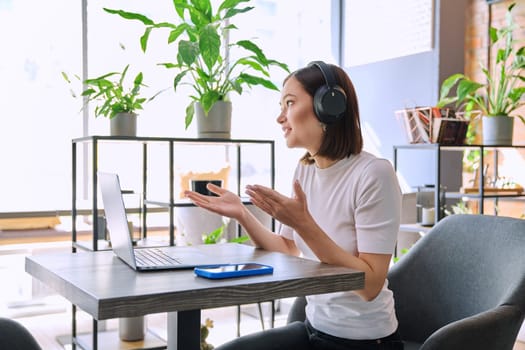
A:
[424,124]
[449,131]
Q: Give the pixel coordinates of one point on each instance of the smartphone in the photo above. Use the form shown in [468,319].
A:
[233,270]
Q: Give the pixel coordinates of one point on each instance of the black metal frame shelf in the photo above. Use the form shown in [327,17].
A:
[481,195]
[93,143]
[182,203]
[477,195]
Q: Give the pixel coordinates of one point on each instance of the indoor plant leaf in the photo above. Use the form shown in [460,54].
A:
[208,100]
[190,111]
[189,51]
[200,12]
[228,4]
[232,11]
[209,45]
[179,6]
[176,32]
[198,36]
[248,45]
[253,80]
[177,79]
[110,95]
[447,85]
[499,95]
[131,15]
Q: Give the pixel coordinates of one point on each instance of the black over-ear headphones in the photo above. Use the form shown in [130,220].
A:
[329,99]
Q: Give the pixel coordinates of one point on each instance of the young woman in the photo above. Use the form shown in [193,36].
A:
[344,210]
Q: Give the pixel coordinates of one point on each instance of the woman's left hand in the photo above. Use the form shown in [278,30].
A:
[225,203]
[289,211]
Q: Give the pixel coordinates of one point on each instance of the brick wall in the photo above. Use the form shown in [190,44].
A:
[479,18]
[476,42]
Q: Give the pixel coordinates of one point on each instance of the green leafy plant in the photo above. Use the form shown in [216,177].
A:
[199,37]
[501,94]
[216,236]
[459,208]
[471,159]
[205,331]
[111,95]
[403,252]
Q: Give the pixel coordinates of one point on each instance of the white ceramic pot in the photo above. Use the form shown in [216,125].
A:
[132,328]
[195,222]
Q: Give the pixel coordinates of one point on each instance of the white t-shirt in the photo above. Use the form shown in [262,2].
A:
[357,202]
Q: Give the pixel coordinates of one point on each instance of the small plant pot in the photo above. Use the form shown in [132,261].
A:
[217,124]
[123,124]
[497,130]
[132,328]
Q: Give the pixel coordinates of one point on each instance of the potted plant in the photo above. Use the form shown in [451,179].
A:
[115,101]
[501,94]
[199,35]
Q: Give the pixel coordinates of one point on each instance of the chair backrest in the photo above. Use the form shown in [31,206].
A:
[465,265]
[13,335]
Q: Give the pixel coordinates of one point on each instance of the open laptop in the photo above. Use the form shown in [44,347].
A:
[142,259]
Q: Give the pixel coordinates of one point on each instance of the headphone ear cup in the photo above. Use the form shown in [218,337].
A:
[329,104]
[318,102]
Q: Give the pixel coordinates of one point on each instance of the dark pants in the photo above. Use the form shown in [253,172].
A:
[302,336]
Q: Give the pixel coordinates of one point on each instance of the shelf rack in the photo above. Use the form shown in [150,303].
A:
[91,144]
[482,193]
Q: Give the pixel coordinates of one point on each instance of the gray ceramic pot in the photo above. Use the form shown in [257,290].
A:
[217,124]
[123,124]
[497,130]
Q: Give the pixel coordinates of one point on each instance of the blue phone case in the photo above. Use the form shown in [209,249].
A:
[233,270]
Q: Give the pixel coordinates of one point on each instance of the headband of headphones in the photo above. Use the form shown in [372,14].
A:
[329,99]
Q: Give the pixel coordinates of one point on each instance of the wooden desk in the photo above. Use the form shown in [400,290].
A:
[104,287]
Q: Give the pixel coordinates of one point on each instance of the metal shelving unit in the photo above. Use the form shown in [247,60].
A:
[90,147]
[481,193]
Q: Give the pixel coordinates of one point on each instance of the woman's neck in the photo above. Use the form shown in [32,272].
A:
[323,162]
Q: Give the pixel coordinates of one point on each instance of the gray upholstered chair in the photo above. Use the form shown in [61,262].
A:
[14,336]
[461,287]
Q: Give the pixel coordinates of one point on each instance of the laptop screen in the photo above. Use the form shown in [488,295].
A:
[116,217]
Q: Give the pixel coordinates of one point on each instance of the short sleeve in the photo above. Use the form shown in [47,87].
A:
[378,209]
[285,231]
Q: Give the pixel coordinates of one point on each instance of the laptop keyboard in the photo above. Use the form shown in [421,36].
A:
[154,257]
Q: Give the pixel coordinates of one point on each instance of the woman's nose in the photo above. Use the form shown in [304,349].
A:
[281,118]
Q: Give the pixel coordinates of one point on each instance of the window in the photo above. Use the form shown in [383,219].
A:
[40,117]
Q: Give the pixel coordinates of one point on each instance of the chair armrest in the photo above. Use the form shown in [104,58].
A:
[493,329]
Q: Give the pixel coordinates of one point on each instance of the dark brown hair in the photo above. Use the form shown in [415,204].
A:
[342,138]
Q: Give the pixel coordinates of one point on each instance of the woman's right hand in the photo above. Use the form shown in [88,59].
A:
[226,203]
